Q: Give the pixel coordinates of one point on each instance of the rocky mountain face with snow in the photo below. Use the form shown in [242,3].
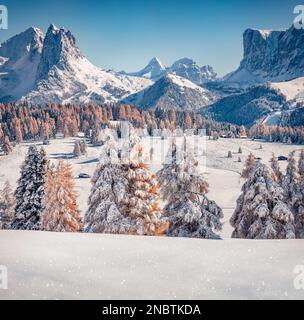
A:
[189,69]
[64,75]
[185,68]
[270,56]
[52,69]
[172,92]
[275,57]
[19,60]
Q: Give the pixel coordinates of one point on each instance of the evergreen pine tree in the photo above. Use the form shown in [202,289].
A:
[277,173]
[109,186]
[141,207]
[30,191]
[123,198]
[299,215]
[83,147]
[60,213]
[301,165]
[7,147]
[261,212]
[249,166]
[77,150]
[183,188]
[7,206]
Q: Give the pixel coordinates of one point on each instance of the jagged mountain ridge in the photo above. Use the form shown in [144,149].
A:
[185,68]
[52,69]
[64,75]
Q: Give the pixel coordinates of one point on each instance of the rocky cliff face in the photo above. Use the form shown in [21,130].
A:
[271,56]
[59,49]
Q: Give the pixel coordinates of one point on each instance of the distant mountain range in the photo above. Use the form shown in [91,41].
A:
[37,68]
[185,68]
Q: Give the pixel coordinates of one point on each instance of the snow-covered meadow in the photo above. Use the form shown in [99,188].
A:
[47,265]
[222,174]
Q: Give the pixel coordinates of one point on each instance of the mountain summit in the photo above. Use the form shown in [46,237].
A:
[154,70]
[52,69]
[189,69]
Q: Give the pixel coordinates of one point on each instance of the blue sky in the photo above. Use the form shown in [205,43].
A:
[125,35]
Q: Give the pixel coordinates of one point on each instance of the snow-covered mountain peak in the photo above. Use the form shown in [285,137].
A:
[29,41]
[64,75]
[59,49]
[155,62]
[154,70]
[189,69]
[19,59]
[185,61]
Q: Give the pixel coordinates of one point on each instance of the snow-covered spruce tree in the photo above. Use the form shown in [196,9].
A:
[184,189]
[301,165]
[83,147]
[123,197]
[277,173]
[30,191]
[293,196]
[261,212]
[61,212]
[6,147]
[77,149]
[7,206]
[140,207]
[299,215]
[108,189]
[249,166]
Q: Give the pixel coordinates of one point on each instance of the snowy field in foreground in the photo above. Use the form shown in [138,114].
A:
[85,266]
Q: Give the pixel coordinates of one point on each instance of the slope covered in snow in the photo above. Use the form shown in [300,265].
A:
[293,90]
[65,75]
[19,60]
[86,266]
[173,92]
